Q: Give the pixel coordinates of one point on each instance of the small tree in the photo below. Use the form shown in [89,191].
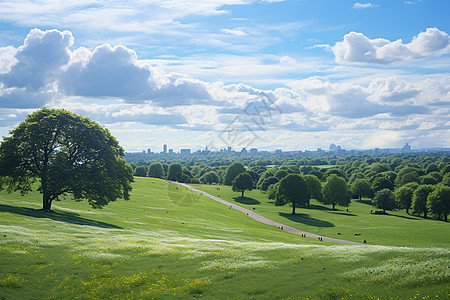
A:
[336,191]
[232,171]
[404,196]
[243,182]
[294,190]
[438,202]
[361,187]
[175,172]
[420,197]
[156,170]
[384,200]
[67,153]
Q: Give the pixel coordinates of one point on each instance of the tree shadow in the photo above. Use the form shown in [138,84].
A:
[344,214]
[404,217]
[246,200]
[305,219]
[316,207]
[368,202]
[62,216]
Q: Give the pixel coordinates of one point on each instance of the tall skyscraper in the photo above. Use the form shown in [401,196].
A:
[165,148]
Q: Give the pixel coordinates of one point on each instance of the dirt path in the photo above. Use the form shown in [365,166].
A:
[264,220]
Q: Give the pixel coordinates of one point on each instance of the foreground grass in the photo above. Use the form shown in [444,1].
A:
[395,229]
[169,243]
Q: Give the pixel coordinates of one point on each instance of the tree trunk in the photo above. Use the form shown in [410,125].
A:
[334,206]
[46,202]
[360,197]
[293,208]
[425,214]
[243,194]
[407,210]
[445,218]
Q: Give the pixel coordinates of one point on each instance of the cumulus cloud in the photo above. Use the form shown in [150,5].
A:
[39,59]
[355,101]
[356,48]
[358,5]
[44,66]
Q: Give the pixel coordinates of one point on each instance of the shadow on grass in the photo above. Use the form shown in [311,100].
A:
[368,202]
[317,207]
[405,217]
[246,200]
[344,214]
[305,219]
[67,217]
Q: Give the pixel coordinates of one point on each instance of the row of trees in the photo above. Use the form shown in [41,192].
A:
[390,181]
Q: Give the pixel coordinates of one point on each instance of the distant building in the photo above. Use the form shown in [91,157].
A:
[165,149]
[229,149]
[149,151]
[253,151]
[185,151]
[406,148]
[170,151]
[278,151]
[143,151]
[244,151]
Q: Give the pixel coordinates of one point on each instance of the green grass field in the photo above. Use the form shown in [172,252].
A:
[169,243]
[395,229]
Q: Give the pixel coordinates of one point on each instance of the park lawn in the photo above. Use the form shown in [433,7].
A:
[169,243]
[395,229]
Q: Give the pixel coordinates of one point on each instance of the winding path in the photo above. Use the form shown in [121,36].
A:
[264,220]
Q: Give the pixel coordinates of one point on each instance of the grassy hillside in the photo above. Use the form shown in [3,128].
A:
[169,243]
[395,229]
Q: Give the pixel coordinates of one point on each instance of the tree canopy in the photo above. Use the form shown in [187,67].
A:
[66,153]
[175,172]
[156,170]
[384,200]
[336,191]
[232,171]
[292,189]
[243,182]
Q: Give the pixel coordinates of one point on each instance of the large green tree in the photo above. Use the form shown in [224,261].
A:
[336,191]
[232,171]
[294,190]
[314,186]
[243,182]
[175,172]
[438,202]
[384,200]
[156,170]
[141,171]
[67,154]
[361,187]
[404,195]
[419,201]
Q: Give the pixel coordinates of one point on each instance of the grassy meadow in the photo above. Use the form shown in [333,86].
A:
[395,229]
[170,243]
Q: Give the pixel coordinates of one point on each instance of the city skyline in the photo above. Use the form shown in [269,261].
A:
[268,74]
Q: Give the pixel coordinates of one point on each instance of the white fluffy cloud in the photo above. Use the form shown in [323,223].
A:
[356,48]
[111,85]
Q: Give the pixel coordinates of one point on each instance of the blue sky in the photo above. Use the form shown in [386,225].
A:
[293,74]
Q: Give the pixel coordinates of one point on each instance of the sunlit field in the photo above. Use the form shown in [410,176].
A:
[357,224]
[170,243]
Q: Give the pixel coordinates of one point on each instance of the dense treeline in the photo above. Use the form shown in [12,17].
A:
[418,182]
